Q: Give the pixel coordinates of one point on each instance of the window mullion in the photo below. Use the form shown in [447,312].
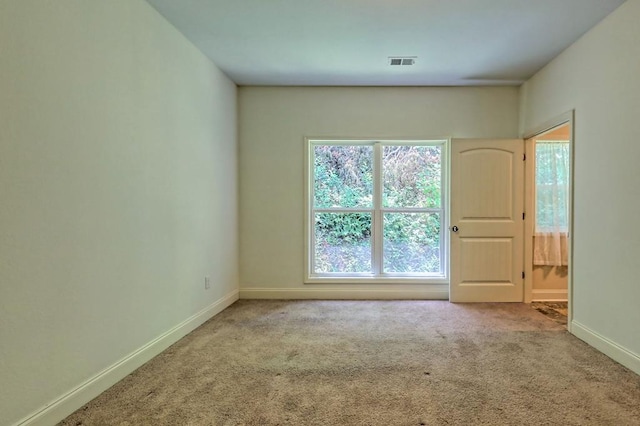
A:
[377,206]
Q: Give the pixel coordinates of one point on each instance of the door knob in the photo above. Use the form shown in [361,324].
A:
[454,228]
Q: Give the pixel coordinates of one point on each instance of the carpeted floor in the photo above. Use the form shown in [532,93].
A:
[373,363]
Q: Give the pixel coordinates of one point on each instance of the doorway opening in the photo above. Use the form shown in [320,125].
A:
[547,228]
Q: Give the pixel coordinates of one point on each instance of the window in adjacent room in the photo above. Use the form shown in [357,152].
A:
[551,202]
[375,210]
[552,185]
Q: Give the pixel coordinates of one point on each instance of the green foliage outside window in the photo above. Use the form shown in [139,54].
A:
[343,178]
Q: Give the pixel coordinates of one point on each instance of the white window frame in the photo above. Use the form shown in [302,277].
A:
[377,212]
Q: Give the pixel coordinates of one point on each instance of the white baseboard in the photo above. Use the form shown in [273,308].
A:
[435,292]
[607,347]
[549,295]
[76,398]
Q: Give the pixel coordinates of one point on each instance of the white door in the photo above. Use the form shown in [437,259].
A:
[486,226]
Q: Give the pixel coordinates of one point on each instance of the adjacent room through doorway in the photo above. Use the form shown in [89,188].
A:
[548,184]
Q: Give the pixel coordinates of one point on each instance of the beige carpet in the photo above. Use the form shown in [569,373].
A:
[373,363]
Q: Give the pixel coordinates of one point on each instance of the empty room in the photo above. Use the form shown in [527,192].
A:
[337,212]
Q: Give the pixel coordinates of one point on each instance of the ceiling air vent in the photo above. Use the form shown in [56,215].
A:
[400,61]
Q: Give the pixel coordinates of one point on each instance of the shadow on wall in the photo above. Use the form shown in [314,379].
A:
[550,277]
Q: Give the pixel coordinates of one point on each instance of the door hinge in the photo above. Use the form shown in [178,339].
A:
[523,275]
[523,215]
[524,157]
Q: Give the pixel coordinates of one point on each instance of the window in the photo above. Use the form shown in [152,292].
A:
[552,186]
[375,210]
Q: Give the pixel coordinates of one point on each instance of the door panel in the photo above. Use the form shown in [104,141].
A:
[486,260]
[486,207]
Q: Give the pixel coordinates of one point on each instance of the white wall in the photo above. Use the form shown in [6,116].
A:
[273,124]
[118,185]
[599,77]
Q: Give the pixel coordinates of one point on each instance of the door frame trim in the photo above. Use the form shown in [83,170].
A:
[565,118]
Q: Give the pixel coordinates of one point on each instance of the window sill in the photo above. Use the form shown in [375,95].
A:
[437,280]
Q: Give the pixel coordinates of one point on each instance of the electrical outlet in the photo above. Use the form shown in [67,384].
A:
[207,283]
